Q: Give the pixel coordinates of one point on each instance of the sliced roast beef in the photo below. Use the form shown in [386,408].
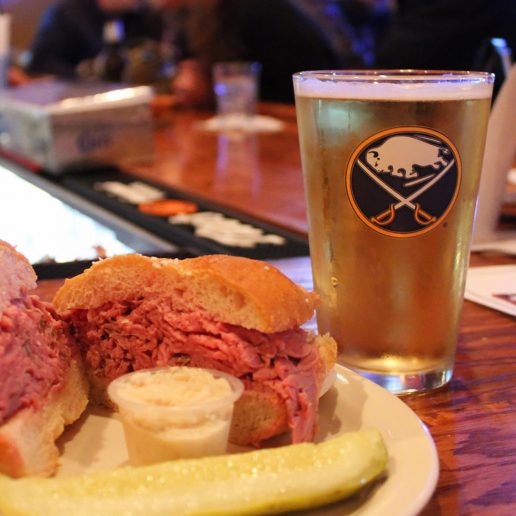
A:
[120,337]
[35,350]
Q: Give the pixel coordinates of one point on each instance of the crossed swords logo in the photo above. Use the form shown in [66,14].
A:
[420,216]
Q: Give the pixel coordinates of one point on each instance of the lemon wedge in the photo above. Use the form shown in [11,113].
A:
[256,482]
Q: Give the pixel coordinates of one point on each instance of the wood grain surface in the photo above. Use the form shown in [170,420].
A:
[473,418]
[255,173]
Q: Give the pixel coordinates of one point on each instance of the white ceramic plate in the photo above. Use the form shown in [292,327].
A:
[96,442]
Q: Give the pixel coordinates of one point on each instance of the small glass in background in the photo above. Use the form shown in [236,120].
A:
[236,86]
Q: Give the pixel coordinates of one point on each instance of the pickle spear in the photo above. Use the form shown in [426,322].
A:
[257,482]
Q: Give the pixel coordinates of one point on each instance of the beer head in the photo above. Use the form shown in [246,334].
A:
[407,85]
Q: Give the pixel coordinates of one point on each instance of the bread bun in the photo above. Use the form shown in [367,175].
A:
[27,438]
[234,290]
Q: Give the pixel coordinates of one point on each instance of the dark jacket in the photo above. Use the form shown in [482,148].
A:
[445,34]
[71,31]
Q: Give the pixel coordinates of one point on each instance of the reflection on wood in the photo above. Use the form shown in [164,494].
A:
[259,174]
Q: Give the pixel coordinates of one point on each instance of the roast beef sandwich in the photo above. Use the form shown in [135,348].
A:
[236,315]
[42,383]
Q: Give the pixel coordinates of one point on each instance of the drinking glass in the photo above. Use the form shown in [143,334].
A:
[391,163]
[236,88]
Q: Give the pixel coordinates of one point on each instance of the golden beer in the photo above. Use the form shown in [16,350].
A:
[391,167]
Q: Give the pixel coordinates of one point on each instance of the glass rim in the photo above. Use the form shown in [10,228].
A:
[408,75]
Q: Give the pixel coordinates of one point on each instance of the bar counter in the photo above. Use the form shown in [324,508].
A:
[473,418]
[256,173]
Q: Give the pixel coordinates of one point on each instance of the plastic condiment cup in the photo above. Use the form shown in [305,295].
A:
[160,430]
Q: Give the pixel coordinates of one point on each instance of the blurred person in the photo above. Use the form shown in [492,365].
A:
[71,31]
[285,36]
[445,34]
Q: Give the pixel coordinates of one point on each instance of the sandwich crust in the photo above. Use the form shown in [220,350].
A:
[17,276]
[233,290]
[27,440]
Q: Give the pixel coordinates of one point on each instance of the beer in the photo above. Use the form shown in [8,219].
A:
[391,177]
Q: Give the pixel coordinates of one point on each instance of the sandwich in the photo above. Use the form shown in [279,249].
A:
[237,315]
[42,382]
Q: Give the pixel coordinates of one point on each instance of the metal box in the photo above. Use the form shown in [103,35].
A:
[57,125]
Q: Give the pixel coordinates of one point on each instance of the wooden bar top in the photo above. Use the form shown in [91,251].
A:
[256,173]
[473,418]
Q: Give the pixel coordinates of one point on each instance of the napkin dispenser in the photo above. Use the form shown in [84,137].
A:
[58,125]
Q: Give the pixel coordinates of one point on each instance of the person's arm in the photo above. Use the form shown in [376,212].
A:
[192,85]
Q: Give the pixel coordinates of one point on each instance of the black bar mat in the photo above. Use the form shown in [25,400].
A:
[58,270]
[272,242]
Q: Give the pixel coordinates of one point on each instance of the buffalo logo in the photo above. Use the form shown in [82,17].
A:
[404,181]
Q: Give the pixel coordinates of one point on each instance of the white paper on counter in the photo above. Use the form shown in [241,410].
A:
[253,124]
[498,246]
[494,287]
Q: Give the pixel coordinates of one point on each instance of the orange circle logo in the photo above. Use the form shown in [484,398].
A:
[403,182]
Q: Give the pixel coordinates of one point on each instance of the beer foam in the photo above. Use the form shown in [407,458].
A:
[397,87]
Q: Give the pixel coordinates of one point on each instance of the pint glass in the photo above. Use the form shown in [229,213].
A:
[391,164]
